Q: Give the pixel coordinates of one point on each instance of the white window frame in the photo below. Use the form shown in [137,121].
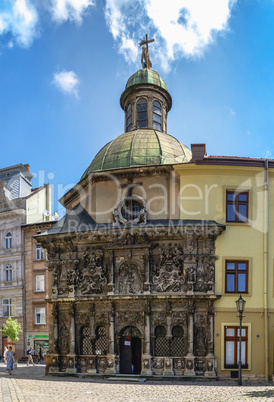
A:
[40,315]
[39,252]
[10,307]
[8,274]
[40,283]
[8,241]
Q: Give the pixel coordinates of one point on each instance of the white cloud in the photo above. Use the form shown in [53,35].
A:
[182,28]
[232,112]
[69,10]
[67,81]
[19,18]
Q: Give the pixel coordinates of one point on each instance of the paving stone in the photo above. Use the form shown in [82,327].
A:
[30,384]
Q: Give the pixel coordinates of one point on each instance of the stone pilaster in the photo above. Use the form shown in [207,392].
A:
[190,357]
[146,368]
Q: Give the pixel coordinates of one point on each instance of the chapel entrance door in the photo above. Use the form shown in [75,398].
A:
[130,351]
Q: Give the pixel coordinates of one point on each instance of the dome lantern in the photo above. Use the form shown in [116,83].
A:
[146,100]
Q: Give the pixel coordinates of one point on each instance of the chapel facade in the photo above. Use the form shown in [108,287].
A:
[133,284]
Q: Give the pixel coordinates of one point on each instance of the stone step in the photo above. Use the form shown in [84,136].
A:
[129,378]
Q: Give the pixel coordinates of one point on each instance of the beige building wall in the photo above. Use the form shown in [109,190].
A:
[36,334]
[203,196]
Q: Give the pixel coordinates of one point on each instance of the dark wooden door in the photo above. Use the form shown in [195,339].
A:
[136,355]
[130,355]
[125,355]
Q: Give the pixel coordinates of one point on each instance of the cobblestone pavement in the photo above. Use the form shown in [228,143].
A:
[30,384]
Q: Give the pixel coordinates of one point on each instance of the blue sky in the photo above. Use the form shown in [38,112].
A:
[65,63]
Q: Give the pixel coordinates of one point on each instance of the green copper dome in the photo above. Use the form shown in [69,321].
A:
[142,147]
[146,76]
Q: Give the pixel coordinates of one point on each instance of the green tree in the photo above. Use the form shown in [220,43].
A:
[11,329]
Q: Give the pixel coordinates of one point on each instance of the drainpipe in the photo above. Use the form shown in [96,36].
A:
[265,268]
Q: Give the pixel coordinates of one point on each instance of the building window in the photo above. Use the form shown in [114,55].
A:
[39,283]
[157,116]
[39,252]
[161,342]
[236,206]
[8,307]
[8,240]
[87,342]
[141,113]
[129,118]
[40,315]
[232,335]
[236,276]
[8,273]
[177,345]
[100,341]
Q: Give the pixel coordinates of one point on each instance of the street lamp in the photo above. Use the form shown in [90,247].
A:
[240,303]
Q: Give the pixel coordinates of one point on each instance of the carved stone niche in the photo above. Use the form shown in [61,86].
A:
[130,279]
[130,210]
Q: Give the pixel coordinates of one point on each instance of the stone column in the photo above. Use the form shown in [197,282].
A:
[189,371]
[168,361]
[111,353]
[146,368]
[111,279]
[146,265]
[71,356]
[210,359]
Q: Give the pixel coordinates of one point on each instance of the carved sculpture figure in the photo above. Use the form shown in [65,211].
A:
[130,279]
[145,59]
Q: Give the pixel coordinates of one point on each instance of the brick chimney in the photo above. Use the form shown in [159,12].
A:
[198,152]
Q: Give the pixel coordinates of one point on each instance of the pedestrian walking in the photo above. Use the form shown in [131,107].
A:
[40,355]
[30,353]
[5,354]
[10,360]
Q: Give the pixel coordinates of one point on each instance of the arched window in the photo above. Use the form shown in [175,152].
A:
[87,344]
[8,240]
[141,113]
[177,342]
[157,116]
[161,343]
[39,252]
[101,341]
[8,273]
[129,118]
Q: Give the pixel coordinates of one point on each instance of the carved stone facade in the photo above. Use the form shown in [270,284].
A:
[141,302]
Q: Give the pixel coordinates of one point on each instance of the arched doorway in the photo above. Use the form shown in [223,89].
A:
[130,351]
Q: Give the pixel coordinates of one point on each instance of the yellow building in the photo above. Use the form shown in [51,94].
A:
[238,193]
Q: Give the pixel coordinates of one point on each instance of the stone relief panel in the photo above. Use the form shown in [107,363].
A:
[167,273]
[92,276]
[130,279]
[200,334]
[64,331]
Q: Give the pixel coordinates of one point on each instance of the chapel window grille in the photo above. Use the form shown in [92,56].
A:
[157,116]
[101,341]
[177,342]
[129,118]
[141,113]
[161,343]
[87,344]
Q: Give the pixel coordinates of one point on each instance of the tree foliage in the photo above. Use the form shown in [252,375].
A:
[11,329]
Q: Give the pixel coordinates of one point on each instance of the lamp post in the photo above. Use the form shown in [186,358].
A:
[240,303]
